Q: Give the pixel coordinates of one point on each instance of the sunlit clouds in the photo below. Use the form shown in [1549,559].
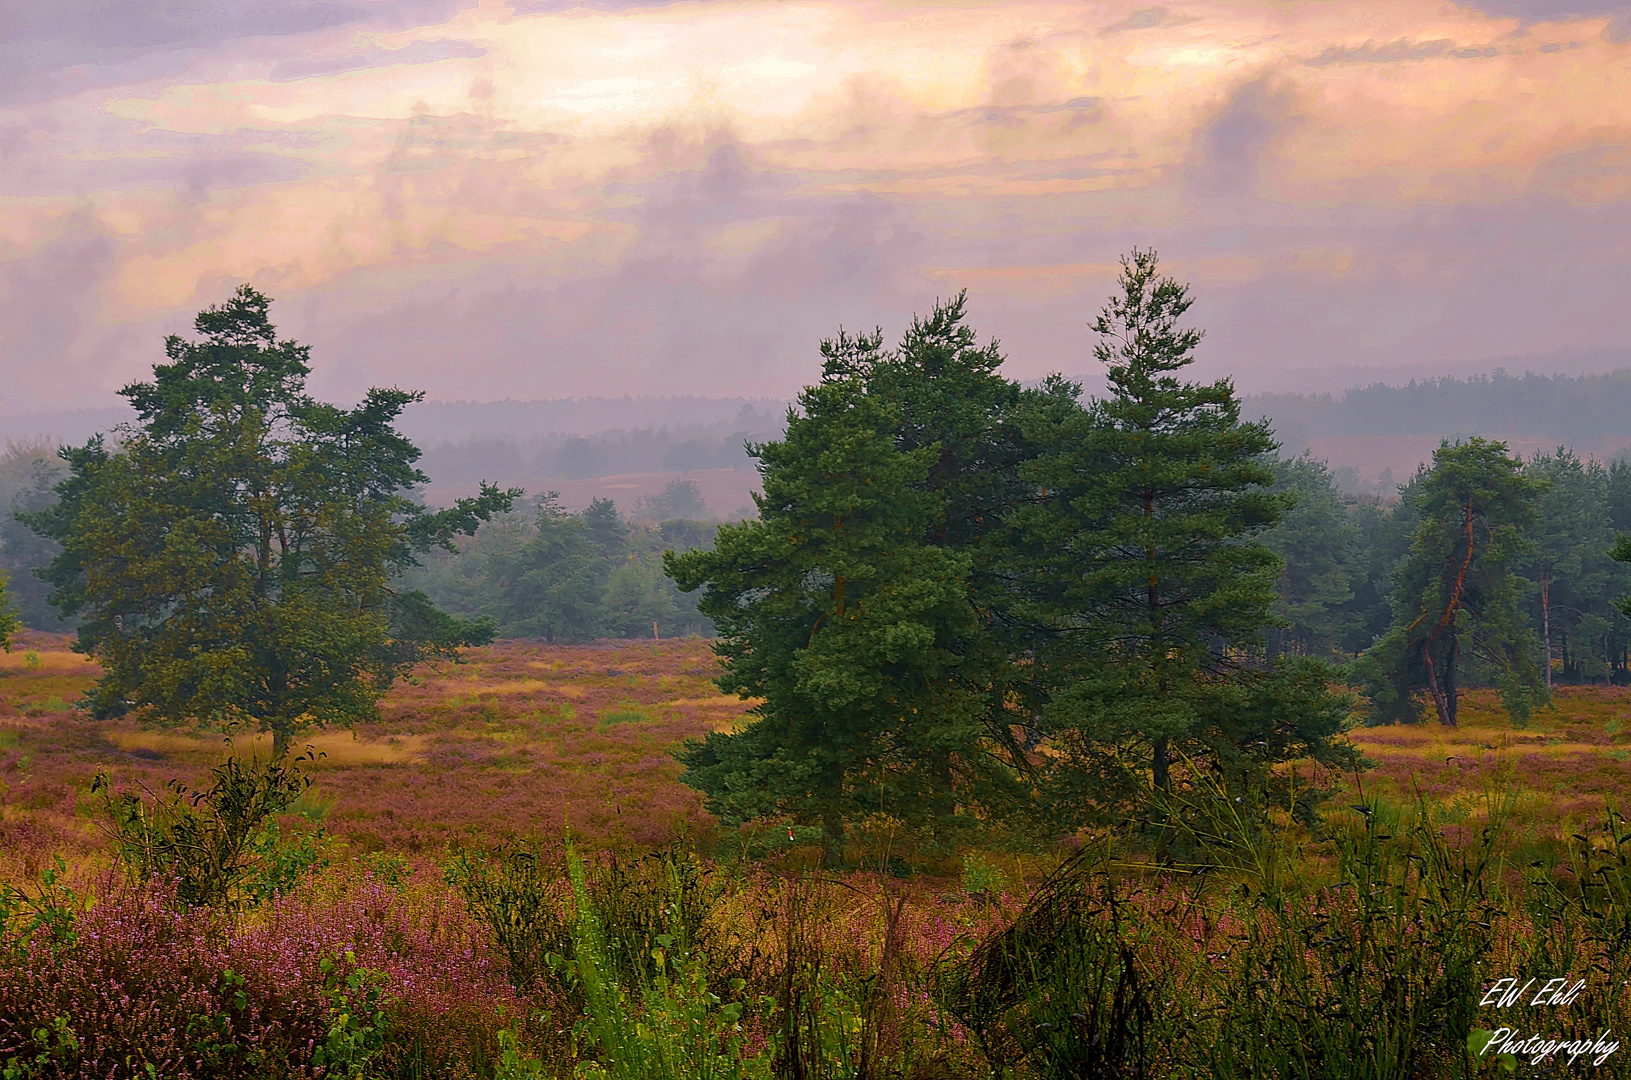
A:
[497,201]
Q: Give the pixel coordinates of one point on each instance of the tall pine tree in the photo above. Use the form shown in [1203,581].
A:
[1137,561]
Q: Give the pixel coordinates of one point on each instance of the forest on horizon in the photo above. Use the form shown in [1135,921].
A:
[587,438]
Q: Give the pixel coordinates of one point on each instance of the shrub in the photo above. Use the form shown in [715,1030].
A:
[212,842]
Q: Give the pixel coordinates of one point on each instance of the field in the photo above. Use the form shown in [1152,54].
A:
[531,745]
[522,739]
[525,739]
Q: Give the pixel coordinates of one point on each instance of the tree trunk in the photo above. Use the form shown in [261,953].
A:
[1546,620]
[1162,762]
[832,837]
[1434,687]
[1449,674]
[280,743]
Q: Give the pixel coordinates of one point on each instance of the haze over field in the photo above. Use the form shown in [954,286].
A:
[549,200]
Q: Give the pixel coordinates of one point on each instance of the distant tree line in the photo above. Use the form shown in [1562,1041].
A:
[1334,597]
[606,453]
[1542,579]
[1556,406]
[574,577]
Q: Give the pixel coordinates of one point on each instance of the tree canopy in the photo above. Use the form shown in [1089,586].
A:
[965,602]
[837,609]
[1456,591]
[1142,565]
[231,554]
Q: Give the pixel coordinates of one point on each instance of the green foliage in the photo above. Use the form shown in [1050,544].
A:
[553,585]
[1141,568]
[1318,546]
[57,1046]
[568,577]
[50,912]
[359,1023]
[1383,540]
[948,570]
[1455,590]
[278,862]
[9,623]
[982,877]
[680,499]
[1061,989]
[515,898]
[1570,572]
[512,1063]
[220,844]
[1376,977]
[667,1026]
[839,608]
[639,599]
[231,557]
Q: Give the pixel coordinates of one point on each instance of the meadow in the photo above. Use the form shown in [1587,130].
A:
[502,876]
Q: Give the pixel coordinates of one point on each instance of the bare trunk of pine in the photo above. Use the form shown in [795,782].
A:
[1546,620]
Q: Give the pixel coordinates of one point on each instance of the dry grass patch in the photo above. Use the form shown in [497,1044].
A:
[338,749]
[718,701]
[48,660]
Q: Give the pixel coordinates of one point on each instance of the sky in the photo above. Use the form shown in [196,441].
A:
[544,199]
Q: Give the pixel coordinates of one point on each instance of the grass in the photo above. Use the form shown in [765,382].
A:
[1560,771]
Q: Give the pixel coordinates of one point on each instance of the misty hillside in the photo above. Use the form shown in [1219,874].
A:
[1556,406]
[628,448]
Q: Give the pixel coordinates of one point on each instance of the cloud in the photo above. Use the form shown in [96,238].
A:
[674,314]
[132,156]
[47,302]
[1392,53]
[69,45]
[1548,10]
[673,198]
[1231,145]
[420,52]
[1143,19]
[1543,11]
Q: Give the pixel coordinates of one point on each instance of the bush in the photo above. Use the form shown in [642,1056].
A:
[218,844]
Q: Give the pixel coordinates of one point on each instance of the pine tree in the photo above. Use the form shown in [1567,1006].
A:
[952,399]
[1139,568]
[838,608]
[1456,601]
[232,557]
[1316,543]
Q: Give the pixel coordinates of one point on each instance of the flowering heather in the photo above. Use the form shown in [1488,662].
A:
[140,982]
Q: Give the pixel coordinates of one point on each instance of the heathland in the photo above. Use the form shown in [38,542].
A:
[523,748]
